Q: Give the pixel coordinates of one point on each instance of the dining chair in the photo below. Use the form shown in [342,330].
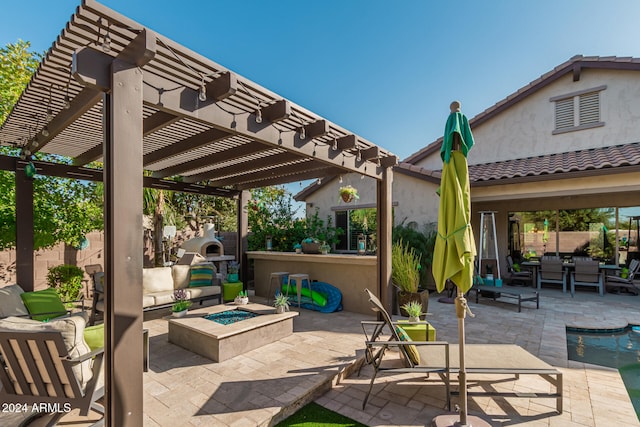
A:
[587,273]
[552,271]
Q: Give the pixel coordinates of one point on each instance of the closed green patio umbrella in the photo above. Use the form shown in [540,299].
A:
[455,248]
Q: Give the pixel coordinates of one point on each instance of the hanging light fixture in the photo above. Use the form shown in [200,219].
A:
[106,41]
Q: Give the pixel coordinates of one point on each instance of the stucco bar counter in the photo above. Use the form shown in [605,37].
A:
[349,273]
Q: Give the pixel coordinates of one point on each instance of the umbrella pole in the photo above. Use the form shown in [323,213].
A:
[461,312]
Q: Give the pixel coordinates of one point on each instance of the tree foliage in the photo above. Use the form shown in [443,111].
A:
[64,210]
[17,65]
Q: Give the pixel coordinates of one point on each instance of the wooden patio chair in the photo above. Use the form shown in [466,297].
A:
[618,283]
[587,273]
[552,271]
[42,372]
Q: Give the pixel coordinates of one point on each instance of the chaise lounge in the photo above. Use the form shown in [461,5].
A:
[442,358]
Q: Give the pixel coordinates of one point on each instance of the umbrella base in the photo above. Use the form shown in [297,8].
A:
[453,420]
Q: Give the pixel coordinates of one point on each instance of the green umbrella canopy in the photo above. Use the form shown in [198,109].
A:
[455,246]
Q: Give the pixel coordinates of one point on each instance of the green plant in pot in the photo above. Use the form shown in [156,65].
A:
[281,303]
[405,274]
[414,310]
[67,281]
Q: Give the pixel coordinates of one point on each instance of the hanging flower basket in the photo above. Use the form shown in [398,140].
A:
[348,193]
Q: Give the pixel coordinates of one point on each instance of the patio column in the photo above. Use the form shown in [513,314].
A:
[385,227]
[242,238]
[24,229]
[121,80]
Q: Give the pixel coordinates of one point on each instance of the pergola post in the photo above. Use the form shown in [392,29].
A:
[123,246]
[24,229]
[243,234]
[384,230]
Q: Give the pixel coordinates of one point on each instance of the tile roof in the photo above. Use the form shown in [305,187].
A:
[583,162]
[592,159]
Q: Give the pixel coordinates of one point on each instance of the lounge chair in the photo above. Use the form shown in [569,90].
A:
[618,283]
[443,358]
[48,366]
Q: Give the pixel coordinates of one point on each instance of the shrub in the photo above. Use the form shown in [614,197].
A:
[66,280]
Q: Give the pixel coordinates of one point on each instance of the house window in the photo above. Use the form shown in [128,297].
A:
[578,110]
[356,222]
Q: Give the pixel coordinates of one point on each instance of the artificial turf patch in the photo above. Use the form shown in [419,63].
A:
[314,415]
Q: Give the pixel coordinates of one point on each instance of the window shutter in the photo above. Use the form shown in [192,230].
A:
[589,108]
[564,113]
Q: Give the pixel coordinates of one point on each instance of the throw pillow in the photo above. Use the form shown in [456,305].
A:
[94,336]
[10,302]
[201,275]
[44,304]
[411,350]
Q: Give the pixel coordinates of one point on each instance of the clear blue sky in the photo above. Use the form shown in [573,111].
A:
[386,70]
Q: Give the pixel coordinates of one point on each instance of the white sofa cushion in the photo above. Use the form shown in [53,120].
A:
[157,279]
[11,303]
[161,298]
[72,331]
[203,291]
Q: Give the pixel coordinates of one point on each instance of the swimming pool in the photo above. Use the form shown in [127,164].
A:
[615,348]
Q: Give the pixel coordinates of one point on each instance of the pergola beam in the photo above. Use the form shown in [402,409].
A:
[79,105]
[184,146]
[278,111]
[284,179]
[231,170]
[269,173]
[227,155]
[157,121]
[184,102]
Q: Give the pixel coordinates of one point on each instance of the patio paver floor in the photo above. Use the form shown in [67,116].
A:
[266,385]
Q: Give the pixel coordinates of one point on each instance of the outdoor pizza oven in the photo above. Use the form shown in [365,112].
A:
[207,245]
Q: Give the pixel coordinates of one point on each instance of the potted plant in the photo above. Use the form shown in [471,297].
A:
[232,271]
[67,282]
[242,298]
[348,193]
[405,274]
[181,303]
[297,248]
[324,248]
[281,303]
[414,310]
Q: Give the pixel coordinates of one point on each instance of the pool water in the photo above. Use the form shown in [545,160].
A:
[230,316]
[615,348]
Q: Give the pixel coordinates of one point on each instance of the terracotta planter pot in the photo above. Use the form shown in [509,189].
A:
[346,197]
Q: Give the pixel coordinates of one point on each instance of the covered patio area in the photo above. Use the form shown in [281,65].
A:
[156,114]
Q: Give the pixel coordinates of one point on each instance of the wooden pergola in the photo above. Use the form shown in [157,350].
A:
[112,90]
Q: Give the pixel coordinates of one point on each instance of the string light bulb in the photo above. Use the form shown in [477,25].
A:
[106,43]
[303,134]
[258,115]
[202,95]
[319,181]
[45,131]
[340,179]
[335,144]
[359,156]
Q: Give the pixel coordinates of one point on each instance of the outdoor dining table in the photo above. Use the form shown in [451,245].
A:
[535,265]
